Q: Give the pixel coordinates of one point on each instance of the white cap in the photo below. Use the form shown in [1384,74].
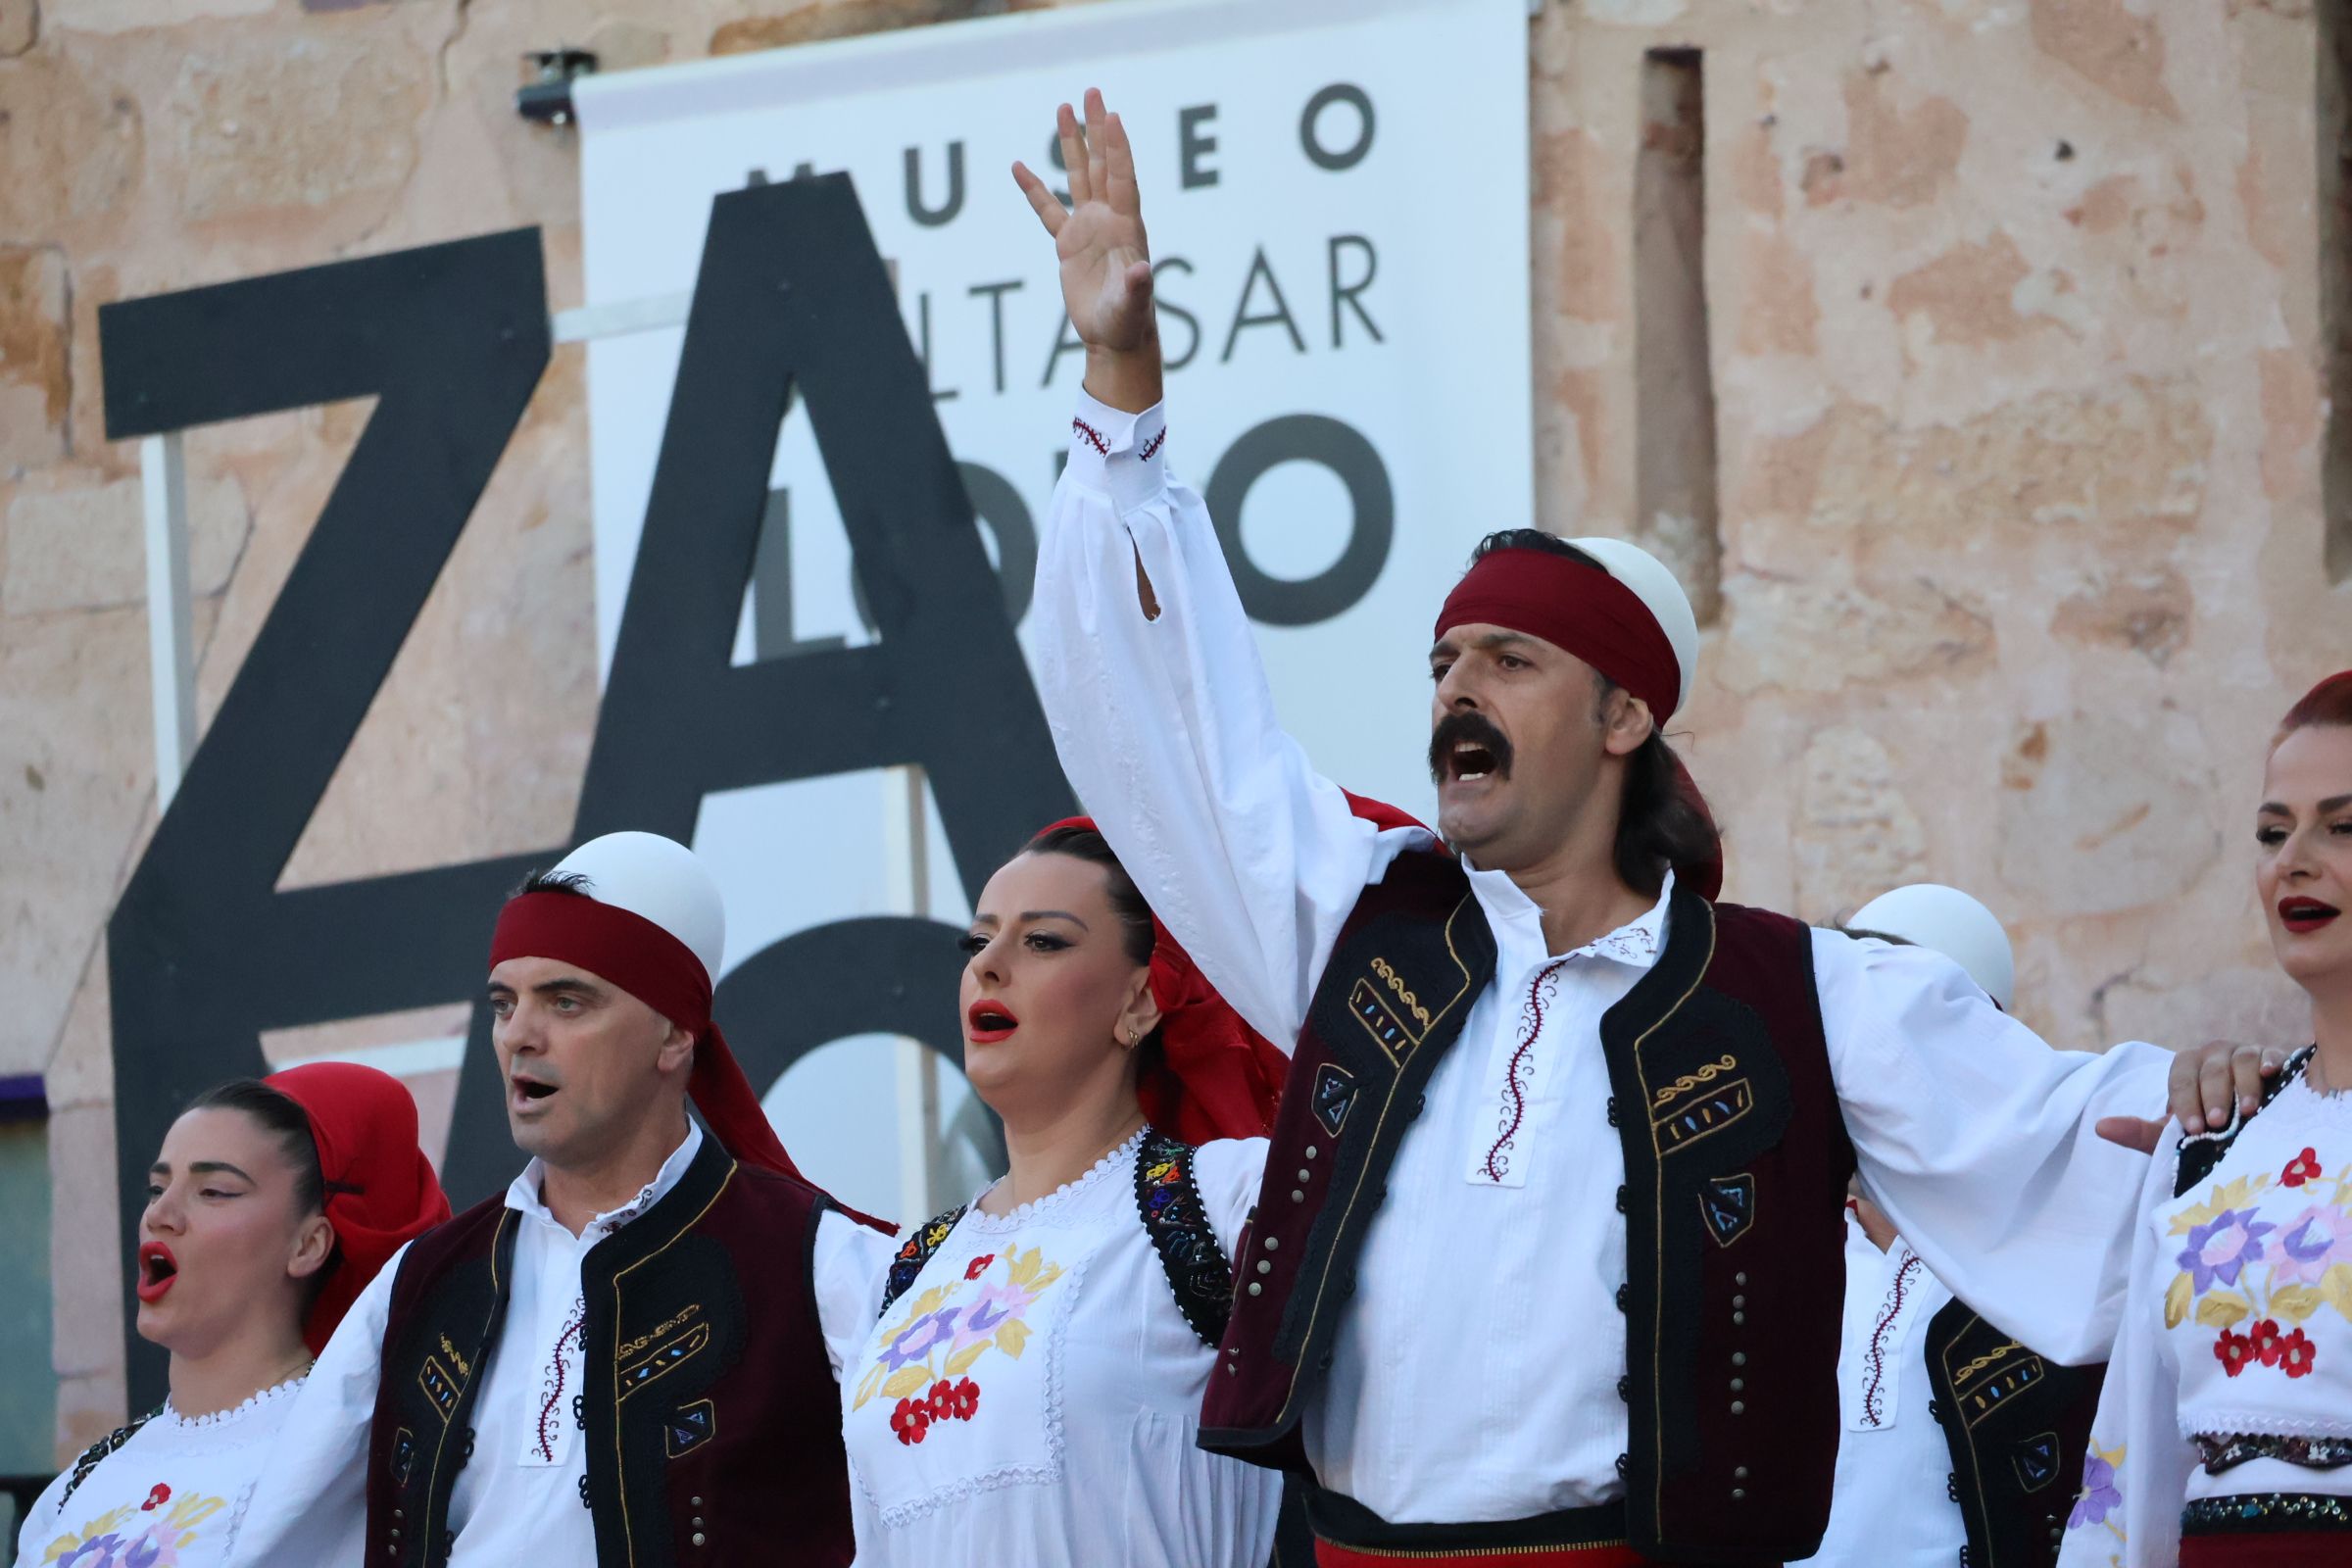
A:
[1928,914]
[657,879]
[1654,585]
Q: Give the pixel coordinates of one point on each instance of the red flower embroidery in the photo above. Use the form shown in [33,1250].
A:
[2233,1352]
[964,1399]
[2297,1355]
[2264,1337]
[157,1498]
[942,1402]
[910,1420]
[979,1265]
[2302,1168]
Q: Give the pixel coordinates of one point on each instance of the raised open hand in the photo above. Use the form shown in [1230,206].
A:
[1105,261]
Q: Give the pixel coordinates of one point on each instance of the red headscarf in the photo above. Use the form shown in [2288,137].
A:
[380,1189]
[1216,1077]
[656,968]
[1582,609]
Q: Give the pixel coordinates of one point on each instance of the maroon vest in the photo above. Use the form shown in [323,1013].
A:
[711,1420]
[2019,1431]
[1735,1162]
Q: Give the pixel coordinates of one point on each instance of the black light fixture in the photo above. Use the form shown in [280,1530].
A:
[547,97]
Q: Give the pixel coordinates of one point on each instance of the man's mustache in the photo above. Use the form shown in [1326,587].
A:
[1466,724]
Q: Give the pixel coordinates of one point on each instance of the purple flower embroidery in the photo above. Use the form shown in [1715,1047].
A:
[996,1304]
[921,1336]
[2217,1252]
[2308,1244]
[103,1548]
[2100,1494]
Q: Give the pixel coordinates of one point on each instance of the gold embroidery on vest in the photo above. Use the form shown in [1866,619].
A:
[1692,1080]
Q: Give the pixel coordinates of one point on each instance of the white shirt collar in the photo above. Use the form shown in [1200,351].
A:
[522,1194]
[1637,942]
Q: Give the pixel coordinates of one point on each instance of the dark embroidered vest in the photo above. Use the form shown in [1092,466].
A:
[2019,1428]
[708,1408]
[1736,1162]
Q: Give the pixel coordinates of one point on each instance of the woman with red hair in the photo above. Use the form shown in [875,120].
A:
[2225,1432]
[271,1205]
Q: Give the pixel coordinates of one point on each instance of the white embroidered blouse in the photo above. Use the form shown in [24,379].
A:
[1034,1394]
[2239,1325]
[1890,1508]
[174,1496]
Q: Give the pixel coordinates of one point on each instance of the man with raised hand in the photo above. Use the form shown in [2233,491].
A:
[1548,1258]
[630,1356]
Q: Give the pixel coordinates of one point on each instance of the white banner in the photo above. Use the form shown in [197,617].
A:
[1337,194]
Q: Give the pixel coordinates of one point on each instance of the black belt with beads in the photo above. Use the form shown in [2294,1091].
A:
[2312,1454]
[2266,1512]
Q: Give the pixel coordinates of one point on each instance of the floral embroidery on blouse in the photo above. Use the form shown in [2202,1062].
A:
[946,1331]
[2269,1276]
[121,1538]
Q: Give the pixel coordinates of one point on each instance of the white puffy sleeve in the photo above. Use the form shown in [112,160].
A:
[1167,731]
[311,1504]
[847,1267]
[2136,1473]
[1977,1139]
[1228,1171]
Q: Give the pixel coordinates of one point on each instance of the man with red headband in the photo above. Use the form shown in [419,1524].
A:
[630,1356]
[1545,1266]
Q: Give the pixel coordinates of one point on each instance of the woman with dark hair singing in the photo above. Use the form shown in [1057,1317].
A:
[269,1207]
[1031,1393]
[2225,1432]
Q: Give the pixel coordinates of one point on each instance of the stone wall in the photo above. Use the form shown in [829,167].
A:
[2015,355]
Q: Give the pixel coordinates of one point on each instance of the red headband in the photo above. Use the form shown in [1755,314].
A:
[1217,1077]
[1577,608]
[653,965]
[380,1189]
[1581,608]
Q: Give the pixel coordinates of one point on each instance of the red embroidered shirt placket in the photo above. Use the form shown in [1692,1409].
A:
[1887,1313]
[1521,1072]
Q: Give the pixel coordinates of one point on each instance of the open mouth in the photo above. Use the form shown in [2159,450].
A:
[158,1268]
[1466,747]
[987,1022]
[526,1092]
[2305,915]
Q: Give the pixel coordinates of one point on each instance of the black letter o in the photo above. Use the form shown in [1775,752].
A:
[1341,448]
[1346,158]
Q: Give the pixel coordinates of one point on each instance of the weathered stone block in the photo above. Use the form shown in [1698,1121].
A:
[37,387]
[2108,811]
[19,25]
[85,547]
[1856,834]
[71,144]
[272,122]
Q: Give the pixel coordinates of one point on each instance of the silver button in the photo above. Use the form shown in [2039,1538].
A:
[1264,1268]
[1739,1408]
[1739,1493]
[1311,1150]
[1256,1288]
[1739,1472]
[1273,1243]
[697,1538]
[698,1522]
[1739,1300]
[694,1503]
[1739,1358]
[1740,1279]
[1738,1383]
[1298,1196]
[1306,1175]
[1739,1318]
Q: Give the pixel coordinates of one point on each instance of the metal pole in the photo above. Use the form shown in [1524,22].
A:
[170,652]
[906,844]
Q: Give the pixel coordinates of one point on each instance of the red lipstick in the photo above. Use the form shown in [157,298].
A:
[985,1021]
[2303,916]
[158,1268]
